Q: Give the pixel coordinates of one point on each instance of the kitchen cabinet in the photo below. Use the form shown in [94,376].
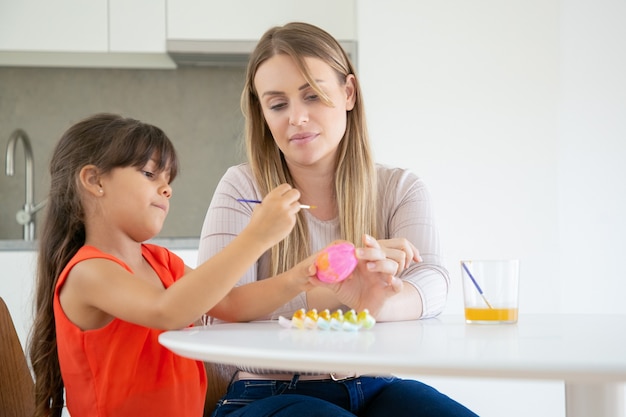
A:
[137,26]
[245,20]
[53,26]
[146,33]
[75,33]
[212,32]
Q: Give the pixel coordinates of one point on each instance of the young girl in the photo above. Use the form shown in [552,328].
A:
[103,296]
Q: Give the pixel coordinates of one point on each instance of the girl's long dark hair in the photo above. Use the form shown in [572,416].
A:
[107,141]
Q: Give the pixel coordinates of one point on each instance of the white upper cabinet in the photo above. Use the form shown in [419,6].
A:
[53,26]
[148,33]
[137,26]
[84,33]
[211,32]
[247,20]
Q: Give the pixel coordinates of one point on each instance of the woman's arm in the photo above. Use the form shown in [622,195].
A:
[413,218]
[399,277]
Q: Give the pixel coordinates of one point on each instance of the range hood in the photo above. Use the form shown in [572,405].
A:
[223,53]
[211,53]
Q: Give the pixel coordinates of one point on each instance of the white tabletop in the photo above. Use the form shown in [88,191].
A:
[565,347]
[588,352]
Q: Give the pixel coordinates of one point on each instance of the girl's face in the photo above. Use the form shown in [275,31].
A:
[136,200]
[305,129]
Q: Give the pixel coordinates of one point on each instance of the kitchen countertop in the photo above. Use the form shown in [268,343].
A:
[168,242]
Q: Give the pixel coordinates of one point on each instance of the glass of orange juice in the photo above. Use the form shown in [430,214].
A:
[490,290]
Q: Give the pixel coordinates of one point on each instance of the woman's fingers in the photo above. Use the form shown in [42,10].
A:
[402,251]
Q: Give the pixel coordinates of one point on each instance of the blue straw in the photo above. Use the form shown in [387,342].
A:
[480,291]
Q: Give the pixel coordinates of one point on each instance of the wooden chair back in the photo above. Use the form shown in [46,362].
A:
[17,394]
[218,376]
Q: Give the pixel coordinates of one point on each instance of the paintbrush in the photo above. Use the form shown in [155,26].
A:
[245,200]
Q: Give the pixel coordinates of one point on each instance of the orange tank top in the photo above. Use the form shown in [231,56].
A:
[121,369]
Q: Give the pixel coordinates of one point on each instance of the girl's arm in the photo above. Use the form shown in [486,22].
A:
[261,298]
[103,289]
[251,299]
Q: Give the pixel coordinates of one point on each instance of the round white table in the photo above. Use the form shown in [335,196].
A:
[588,352]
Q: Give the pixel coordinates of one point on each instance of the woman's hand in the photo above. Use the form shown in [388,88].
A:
[373,281]
[400,250]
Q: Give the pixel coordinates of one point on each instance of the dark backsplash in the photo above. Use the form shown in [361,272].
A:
[198,107]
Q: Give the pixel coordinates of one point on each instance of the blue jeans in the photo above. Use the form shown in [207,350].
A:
[363,397]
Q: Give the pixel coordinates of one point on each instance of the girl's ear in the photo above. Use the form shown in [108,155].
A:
[350,87]
[89,178]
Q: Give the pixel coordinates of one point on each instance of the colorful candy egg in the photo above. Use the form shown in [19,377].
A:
[350,320]
[310,319]
[325,320]
[365,319]
[298,318]
[335,263]
[336,320]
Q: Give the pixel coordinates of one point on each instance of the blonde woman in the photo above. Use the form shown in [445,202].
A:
[305,126]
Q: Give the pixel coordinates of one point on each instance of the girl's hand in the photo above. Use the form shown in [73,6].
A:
[302,276]
[274,218]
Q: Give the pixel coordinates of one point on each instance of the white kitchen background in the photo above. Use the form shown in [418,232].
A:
[514,113]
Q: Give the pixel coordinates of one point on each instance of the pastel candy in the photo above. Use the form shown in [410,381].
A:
[336,320]
[298,318]
[325,320]
[336,262]
[365,319]
[350,321]
[310,319]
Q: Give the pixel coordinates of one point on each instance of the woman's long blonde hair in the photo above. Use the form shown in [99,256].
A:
[355,173]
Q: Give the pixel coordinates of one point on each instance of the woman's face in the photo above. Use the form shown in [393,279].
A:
[305,129]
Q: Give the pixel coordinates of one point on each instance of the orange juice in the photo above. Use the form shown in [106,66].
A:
[475,315]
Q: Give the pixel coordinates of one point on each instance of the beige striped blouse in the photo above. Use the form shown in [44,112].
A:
[404,210]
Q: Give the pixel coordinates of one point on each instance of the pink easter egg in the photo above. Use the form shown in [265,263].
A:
[336,262]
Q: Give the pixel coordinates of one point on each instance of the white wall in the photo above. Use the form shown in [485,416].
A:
[466,95]
[514,113]
[592,155]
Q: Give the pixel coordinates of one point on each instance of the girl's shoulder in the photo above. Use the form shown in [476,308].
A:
[156,251]
[91,252]
[163,260]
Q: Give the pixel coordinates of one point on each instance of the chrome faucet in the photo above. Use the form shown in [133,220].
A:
[25,216]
